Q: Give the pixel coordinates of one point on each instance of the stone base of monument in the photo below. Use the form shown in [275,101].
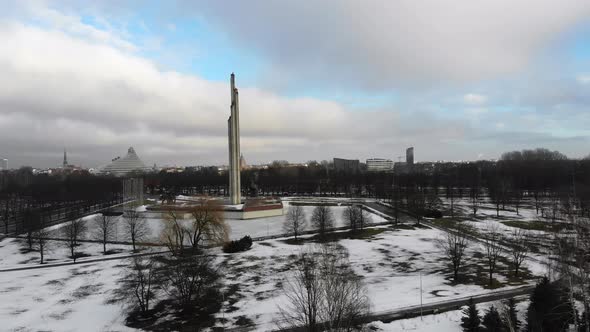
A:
[251,208]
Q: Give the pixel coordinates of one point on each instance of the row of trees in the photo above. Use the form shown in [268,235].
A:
[74,232]
[322,219]
[24,195]
[550,309]
[529,170]
[457,239]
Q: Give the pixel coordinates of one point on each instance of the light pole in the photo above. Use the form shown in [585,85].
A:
[421,295]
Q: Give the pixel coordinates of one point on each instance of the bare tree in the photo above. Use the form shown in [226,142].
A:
[351,217]
[474,195]
[73,231]
[190,280]
[104,229]
[208,224]
[356,217]
[324,293]
[517,196]
[520,250]
[174,232]
[453,244]
[364,217]
[572,250]
[30,223]
[322,219]
[345,298]
[295,221]
[41,239]
[140,282]
[135,226]
[304,294]
[493,250]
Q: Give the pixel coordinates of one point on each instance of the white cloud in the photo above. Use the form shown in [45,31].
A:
[383,44]
[474,99]
[583,79]
[91,96]
[85,88]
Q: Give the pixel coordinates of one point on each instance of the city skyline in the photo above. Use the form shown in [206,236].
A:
[114,76]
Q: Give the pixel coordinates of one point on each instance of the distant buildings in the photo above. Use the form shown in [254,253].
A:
[65,163]
[410,156]
[243,164]
[130,163]
[3,164]
[379,165]
[408,165]
[65,167]
[346,165]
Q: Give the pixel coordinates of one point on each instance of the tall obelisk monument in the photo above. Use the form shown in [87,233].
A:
[233,126]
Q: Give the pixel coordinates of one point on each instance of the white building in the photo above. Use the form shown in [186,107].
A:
[379,165]
[3,164]
[129,163]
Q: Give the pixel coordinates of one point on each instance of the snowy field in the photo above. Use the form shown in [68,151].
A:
[72,298]
[390,263]
[14,252]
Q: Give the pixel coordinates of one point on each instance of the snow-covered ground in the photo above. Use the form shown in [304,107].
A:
[391,263]
[14,253]
[72,298]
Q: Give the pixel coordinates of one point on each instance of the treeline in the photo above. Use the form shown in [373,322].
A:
[538,174]
[24,196]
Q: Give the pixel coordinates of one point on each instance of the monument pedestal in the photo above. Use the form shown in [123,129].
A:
[254,208]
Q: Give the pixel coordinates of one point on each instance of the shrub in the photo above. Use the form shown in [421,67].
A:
[436,214]
[243,244]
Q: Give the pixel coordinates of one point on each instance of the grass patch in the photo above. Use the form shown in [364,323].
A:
[446,222]
[537,225]
[243,321]
[364,234]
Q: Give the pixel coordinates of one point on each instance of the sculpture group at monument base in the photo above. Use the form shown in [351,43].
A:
[251,208]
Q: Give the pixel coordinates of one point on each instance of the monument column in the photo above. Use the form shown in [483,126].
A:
[234,145]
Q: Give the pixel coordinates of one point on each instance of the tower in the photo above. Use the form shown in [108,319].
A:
[233,128]
[410,156]
[65,164]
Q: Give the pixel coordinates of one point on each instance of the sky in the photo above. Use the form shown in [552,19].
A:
[457,80]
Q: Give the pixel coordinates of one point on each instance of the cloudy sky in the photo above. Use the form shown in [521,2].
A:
[318,79]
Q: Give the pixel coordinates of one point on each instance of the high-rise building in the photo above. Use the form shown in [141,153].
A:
[346,165]
[3,164]
[410,156]
[379,165]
